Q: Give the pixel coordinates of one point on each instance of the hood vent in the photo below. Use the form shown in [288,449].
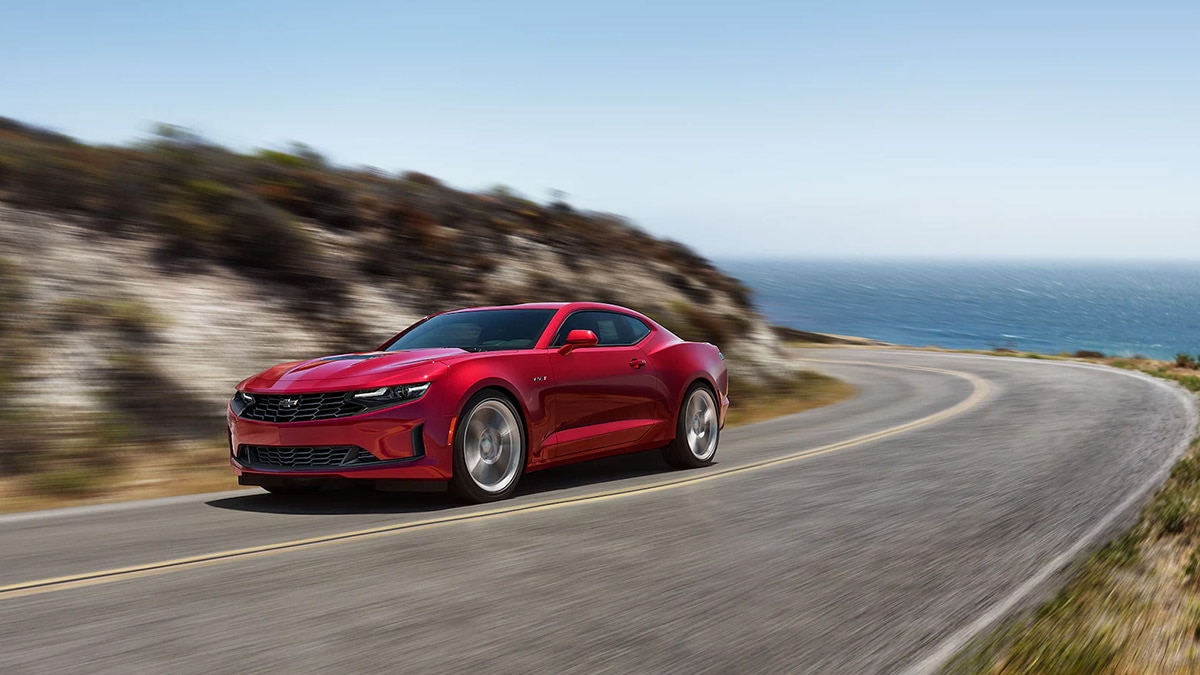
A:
[350,357]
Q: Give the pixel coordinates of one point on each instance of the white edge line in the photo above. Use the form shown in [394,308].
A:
[112,507]
[947,648]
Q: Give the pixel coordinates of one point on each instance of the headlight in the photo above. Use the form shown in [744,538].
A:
[389,395]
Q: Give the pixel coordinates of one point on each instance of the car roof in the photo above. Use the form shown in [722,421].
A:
[572,306]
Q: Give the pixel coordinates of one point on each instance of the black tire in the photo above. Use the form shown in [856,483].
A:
[680,453]
[468,487]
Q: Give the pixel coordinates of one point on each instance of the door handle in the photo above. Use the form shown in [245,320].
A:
[636,363]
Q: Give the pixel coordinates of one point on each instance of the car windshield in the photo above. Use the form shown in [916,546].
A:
[478,330]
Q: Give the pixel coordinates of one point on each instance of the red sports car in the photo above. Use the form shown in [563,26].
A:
[476,397]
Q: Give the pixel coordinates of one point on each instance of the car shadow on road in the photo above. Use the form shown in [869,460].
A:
[353,499]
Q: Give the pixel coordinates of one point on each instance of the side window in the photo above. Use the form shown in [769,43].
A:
[637,329]
[608,329]
[613,329]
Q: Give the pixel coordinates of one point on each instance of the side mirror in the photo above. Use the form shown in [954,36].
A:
[578,338]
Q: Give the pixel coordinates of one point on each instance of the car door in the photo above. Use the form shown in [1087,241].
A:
[602,397]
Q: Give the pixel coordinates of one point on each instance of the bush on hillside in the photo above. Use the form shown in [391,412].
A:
[252,212]
[20,441]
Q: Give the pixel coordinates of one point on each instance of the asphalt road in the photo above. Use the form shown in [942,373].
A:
[869,536]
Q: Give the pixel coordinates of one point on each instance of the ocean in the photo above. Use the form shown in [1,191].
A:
[1126,309]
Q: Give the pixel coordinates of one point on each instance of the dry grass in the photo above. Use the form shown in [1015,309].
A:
[1186,377]
[803,391]
[183,469]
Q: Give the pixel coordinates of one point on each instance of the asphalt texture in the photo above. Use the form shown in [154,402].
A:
[893,521]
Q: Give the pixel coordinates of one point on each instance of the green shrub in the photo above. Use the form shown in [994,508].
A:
[8,170]
[1172,512]
[131,318]
[1122,551]
[259,236]
[1083,654]
[1185,361]
[697,324]
[192,233]
[1191,571]
[696,292]
[1189,382]
[283,159]
[1187,471]
[208,192]
[262,214]
[20,442]
[74,481]
[148,405]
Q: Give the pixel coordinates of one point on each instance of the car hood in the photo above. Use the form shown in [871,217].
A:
[361,370]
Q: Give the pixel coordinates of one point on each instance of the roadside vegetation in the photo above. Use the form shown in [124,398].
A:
[1133,606]
[89,454]
[309,230]
[18,352]
[802,391]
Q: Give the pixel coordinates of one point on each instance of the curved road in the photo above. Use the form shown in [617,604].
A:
[870,536]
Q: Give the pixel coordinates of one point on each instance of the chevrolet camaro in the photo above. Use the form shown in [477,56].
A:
[474,398]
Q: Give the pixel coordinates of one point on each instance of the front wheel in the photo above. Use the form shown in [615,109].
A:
[489,449]
[697,431]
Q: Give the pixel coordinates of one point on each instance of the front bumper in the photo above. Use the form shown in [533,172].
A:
[411,441]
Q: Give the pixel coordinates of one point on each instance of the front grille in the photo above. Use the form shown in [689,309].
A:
[302,407]
[304,457]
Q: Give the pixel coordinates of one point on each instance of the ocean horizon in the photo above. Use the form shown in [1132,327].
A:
[1119,308]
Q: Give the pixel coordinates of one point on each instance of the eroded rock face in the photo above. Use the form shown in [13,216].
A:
[104,307]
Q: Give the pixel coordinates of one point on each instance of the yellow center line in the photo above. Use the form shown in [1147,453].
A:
[980,391]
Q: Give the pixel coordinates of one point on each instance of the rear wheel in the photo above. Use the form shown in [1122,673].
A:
[489,449]
[697,431]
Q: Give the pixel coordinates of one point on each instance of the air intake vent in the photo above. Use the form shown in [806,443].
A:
[304,457]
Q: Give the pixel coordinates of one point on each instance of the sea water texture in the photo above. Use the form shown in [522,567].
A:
[1126,309]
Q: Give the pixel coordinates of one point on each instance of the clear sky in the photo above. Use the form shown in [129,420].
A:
[928,129]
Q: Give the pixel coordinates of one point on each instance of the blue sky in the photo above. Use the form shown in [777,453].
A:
[918,129]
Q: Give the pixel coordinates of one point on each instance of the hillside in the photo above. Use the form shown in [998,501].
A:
[141,282]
